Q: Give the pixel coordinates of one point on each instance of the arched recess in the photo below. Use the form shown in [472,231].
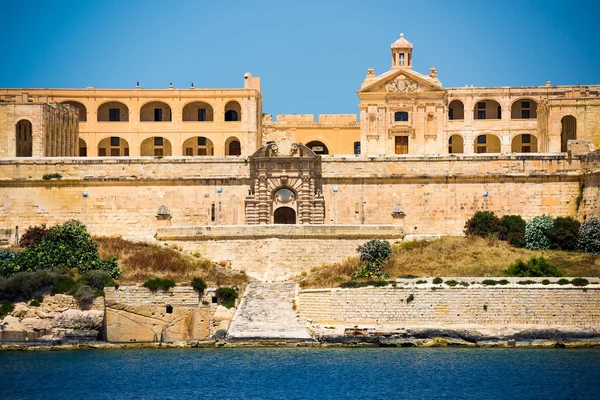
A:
[82,148]
[524,109]
[233,147]
[284,215]
[456,144]
[113,146]
[233,111]
[487,109]
[568,131]
[155,111]
[80,107]
[24,138]
[113,111]
[156,146]
[198,111]
[487,144]
[524,143]
[318,147]
[456,110]
[198,146]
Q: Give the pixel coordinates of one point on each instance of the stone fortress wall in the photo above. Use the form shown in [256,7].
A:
[441,305]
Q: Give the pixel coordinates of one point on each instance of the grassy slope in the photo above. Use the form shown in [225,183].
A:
[455,256]
[141,261]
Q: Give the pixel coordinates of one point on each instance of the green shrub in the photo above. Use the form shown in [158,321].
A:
[227,296]
[564,234]
[410,299]
[485,307]
[483,224]
[512,230]
[589,236]
[8,265]
[65,247]
[33,234]
[546,282]
[580,282]
[26,285]
[537,233]
[158,283]
[97,280]
[451,283]
[64,284]
[535,267]
[35,303]
[437,280]
[48,177]
[6,308]
[199,285]
[360,284]
[563,281]
[526,282]
[374,254]
[465,284]
[84,295]
[493,282]
[420,281]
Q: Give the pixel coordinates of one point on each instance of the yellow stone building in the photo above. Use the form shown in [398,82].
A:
[401,112]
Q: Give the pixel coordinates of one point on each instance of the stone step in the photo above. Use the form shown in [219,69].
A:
[266,314]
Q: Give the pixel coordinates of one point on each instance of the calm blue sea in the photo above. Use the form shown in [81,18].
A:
[309,373]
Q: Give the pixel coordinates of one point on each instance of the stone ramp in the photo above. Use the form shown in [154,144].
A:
[266,314]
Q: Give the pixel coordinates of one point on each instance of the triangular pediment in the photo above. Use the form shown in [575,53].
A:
[402,81]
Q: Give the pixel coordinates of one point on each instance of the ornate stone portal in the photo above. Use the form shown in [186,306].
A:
[286,187]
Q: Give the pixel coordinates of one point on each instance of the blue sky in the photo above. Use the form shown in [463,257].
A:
[310,55]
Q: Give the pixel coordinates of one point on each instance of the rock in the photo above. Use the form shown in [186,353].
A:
[78,319]
[20,310]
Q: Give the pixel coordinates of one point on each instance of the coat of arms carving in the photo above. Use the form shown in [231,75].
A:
[402,84]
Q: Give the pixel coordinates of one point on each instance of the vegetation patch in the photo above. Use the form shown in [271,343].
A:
[373,254]
[227,296]
[493,282]
[437,281]
[451,282]
[535,267]
[49,177]
[563,281]
[360,284]
[199,285]
[580,282]
[420,281]
[410,299]
[526,282]
[159,284]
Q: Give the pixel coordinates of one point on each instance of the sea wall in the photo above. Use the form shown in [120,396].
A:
[442,305]
[136,314]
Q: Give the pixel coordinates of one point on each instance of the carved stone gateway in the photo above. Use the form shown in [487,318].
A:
[298,171]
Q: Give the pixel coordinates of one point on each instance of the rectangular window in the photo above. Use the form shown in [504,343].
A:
[525,114]
[158,152]
[356,147]
[114,114]
[481,149]
[499,112]
[201,152]
[481,105]
[126,151]
[480,114]
[158,141]
[115,141]
[524,104]
[201,141]
[115,152]
[189,151]
[525,149]
[481,139]
[158,114]
[401,55]
[102,152]
[526,138]
[83,151]
[212,212]
[202,114]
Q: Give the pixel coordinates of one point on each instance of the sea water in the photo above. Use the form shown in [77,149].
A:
[302,373]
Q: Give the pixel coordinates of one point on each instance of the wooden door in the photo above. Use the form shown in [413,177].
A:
[401,144]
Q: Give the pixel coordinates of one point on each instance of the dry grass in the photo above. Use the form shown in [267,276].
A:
[453,257]
[142,261]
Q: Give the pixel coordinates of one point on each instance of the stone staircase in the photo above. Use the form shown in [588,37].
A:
[266,314]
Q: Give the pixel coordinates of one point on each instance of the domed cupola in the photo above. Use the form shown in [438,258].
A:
[402,53]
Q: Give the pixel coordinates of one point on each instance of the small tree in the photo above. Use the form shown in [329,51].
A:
[537,233]
[564,234]
[483,224]
[374,255]
[512,230]
[589,236]
[535,267]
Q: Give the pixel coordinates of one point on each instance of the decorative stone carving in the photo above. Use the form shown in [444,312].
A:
[163,213]
[403,85]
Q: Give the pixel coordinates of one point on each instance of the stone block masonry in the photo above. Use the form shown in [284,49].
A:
[441,305]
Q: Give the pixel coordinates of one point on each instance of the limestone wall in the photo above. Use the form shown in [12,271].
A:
[135,314]
[590,189]
[511,304]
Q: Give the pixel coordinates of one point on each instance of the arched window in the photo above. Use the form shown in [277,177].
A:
[198,146]
[156,146]
[456,144]
[155,111]
[24,138]
[233,111]
[113,146]
[524,109]
[568,131]
[82,148]
[487,109]
[317,147]
[233,147]
[80,107]
[456,110]
[487,144]
[198,111]
[113,111]
[401,116]
[525,143]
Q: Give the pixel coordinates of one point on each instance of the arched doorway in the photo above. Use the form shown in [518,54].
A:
[24,136]
[233,147]
[456,144]
[568,131]
[284,215]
